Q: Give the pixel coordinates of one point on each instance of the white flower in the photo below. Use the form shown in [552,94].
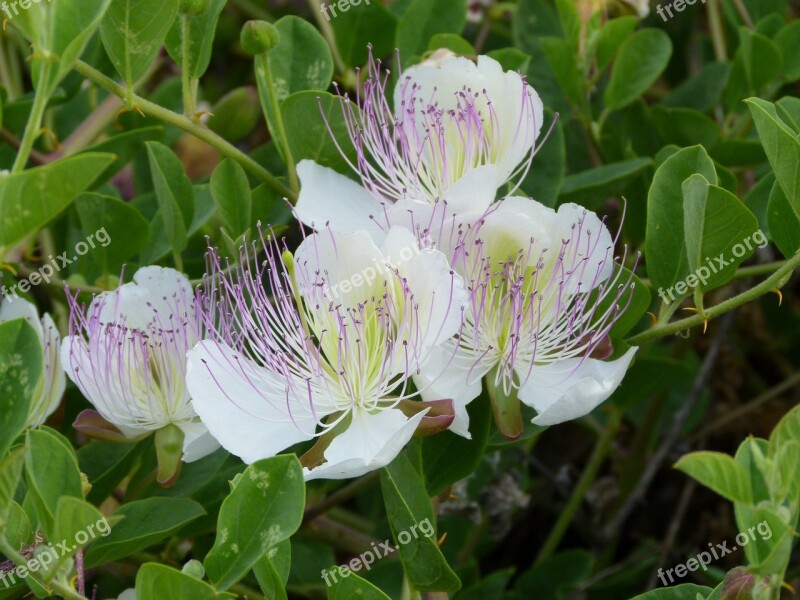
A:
[127,354]
[322,344]
[452,117]
[51,385]
[535,325]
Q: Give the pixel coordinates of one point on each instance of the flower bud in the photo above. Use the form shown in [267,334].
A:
[259,37]
[193,8]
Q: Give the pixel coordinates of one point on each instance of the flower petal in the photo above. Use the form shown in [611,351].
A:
[54,381]
[371,442]
[244,406]
[328,198]
[197,442]
[572,388]
[591,248]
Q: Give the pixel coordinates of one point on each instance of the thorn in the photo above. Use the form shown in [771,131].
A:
[441,540]
[138,109]
[53,137]
[788,587]
[653,318]
[690,309]
[705,325]
[780,301]
[9,268]
[200,114]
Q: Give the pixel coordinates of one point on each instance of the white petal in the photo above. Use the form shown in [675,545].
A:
[351,266]
[371,442]
[448,377]
[76,364]
[244,406]
[591,243]
[329,199]
[54,381]
[17,308]
[198,441]
[156,294]
[572,388]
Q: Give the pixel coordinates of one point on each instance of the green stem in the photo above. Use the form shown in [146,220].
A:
[717,31]
[283,140]
[189,99]
[586,480]
[63,591]
[189,126]
[34,121]
[768,285]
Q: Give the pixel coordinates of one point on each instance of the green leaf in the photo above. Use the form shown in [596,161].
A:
[308,134]
[201,39]
[272,571]
[348,585]
[685,126]
[701,92]
[782,146]
[173,191]
[10,474]
[761,58]
[720,472]
[264,508]
[156,582]
[133,31]
[715,223]
[452,42]
[300,61]
[407,507]
[17,527]
[788,42]
[611,37]
[684,591]
[114,229]
[570,21]
[231,192]
[564,62]
[592,187]
[52,473]
[31,198]
[641,60]
[423,19]
[769,536]
[664,245]
[143,523]
[447,457]
[21,368]
[78,523]
[60,28]
[369,23]
[106,465]
[783,222]
[787,430]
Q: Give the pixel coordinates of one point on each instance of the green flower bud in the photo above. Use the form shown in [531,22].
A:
[193,8]
[259,37]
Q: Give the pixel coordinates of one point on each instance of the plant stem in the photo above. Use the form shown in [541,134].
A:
[768,285]
[717,31]
[587,478]
[34,121]
[189,126]
[283,140]
[330,37]
[189,100]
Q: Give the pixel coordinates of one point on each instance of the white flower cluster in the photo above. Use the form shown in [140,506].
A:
[462,290]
